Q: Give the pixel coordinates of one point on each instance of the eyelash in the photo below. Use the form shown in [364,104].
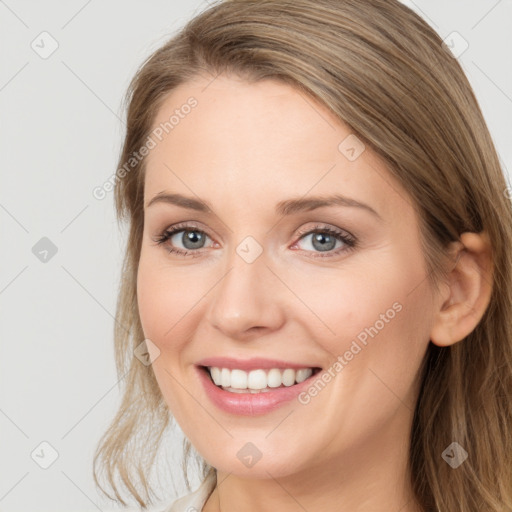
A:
[348,240]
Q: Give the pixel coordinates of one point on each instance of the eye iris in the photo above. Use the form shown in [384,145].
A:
[194,237]
[321,238]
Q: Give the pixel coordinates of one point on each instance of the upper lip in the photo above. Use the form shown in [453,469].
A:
[251,364]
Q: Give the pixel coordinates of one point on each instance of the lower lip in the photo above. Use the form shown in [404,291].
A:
[250,404]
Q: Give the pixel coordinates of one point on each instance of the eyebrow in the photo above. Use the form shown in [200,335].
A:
[283,208]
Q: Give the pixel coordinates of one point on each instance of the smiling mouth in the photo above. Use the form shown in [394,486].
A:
[258,380]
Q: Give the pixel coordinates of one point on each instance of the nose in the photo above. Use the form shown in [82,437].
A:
[248,300]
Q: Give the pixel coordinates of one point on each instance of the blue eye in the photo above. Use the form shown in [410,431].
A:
[192,239]
[324,240]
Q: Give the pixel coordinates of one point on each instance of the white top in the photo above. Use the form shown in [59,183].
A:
[194,502]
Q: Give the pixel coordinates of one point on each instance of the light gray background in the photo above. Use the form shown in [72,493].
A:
[60,136]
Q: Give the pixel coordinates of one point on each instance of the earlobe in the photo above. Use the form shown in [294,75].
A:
[469,290]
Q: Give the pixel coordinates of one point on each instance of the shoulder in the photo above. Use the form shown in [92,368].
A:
[195,501]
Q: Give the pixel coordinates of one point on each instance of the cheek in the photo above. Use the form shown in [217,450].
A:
[382,325]
[377,315]
[165,310]
[160,308]
[340,304]
[379,318]
[165,299]
[152,301]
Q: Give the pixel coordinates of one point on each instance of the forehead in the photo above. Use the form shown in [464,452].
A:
[266,114]
[261,141]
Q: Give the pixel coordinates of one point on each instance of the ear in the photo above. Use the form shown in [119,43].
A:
[467,293]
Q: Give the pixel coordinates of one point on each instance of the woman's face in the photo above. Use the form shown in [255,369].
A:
[275,278]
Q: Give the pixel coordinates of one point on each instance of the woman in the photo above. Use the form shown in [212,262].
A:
[317,268]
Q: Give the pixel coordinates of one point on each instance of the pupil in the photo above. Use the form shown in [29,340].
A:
[192,237]
[321,239]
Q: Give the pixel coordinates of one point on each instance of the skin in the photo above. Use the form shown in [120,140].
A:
[244,148]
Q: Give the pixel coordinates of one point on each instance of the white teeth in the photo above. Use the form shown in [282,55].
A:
[303,374]
[215,373]
[274,378]
[289,377]
[238,379]
[256,381]
[225,378]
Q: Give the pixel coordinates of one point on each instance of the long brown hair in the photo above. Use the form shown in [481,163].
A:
[383,71]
